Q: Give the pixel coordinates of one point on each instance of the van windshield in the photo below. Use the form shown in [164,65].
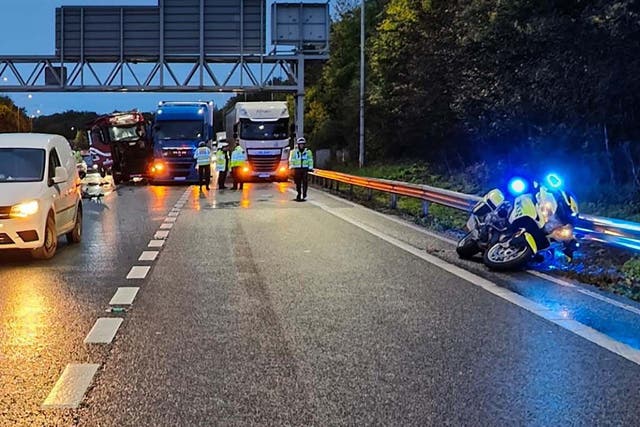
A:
[21,164]
[178,129]
[264,130]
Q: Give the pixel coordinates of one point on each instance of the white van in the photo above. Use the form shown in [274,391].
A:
[40,196]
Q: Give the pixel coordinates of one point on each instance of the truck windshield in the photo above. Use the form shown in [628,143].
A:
[178,129]
[264,130]
[21,165]
[125,133]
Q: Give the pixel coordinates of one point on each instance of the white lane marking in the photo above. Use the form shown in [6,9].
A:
[156,243]
[103,331]
[166,226]
[573,326]
[173,214]
[148,256]
[163,234]
[138,272]
[541,275]
[170,219]
[71,386]
[124,296]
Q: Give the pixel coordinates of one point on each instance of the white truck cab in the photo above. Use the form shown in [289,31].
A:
[40,197]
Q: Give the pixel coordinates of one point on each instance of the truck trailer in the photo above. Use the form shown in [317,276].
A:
[178,129]
[262,130]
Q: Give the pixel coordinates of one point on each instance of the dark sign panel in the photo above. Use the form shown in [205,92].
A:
[183,27]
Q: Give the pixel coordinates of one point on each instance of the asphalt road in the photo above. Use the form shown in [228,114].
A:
[263,311]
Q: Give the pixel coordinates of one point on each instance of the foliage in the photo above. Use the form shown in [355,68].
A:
[67,124]
[12,117]
[518,85]
[631,269]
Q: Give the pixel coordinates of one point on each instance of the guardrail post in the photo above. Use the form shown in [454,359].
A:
[369,194]
[394,201]
[337,186]
[425,208]
[351,191]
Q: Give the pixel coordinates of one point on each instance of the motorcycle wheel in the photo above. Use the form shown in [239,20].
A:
[504,256]
[467,247]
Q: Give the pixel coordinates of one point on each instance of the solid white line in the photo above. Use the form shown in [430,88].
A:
[103,331]
[578,328]
[71,386]
[124,296]
[173,214]
[148,256]
[163,234]
[170,219]
[138,272]
[544,276]
[155,243]
[166,226]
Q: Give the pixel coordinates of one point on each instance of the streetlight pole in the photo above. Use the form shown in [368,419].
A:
[361,133]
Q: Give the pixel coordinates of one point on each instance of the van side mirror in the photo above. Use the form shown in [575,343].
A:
[61,175]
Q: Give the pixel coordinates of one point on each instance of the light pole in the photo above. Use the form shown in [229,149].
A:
[361,133]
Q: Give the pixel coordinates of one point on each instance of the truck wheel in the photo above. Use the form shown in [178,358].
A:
[117,179]
[75,235]
[48,248]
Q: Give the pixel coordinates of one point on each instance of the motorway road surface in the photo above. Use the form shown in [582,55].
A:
[258,310]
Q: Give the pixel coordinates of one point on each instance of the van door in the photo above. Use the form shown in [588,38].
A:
[60,193]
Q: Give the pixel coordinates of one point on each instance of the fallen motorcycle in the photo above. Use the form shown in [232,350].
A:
[510,234]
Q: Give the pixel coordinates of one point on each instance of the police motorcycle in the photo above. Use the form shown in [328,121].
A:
[511,233]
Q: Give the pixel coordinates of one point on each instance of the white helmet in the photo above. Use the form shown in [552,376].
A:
[301,140]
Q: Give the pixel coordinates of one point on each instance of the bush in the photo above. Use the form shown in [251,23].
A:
[631,269]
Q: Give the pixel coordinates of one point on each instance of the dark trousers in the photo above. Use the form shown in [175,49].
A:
[301,178]
[237,179]
[222,177]
[204,175]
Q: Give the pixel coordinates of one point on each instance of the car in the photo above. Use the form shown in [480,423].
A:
[40,196]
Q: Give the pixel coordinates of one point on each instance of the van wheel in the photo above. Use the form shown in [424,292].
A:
[75,235]
[48,249]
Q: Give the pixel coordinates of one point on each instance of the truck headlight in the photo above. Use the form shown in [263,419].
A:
[23,210]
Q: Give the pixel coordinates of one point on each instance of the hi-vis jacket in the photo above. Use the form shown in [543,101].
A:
[221,160]
[238,157]
[203,156]
[301,159]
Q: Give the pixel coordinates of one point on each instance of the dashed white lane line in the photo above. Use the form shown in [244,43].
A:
[573,326]
[173,214]
[163,234]
[103,331]
[156,243]
[71,386]
[170,219]
[166,226]
[538,274]
[148,256]
[138,272]
[124,296]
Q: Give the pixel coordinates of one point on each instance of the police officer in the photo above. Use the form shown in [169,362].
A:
[301,161]
[203,159]
[238,160]
[222,164]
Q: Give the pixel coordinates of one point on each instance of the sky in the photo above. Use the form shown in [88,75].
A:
[27,27]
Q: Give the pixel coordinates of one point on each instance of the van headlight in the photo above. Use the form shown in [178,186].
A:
[23,210]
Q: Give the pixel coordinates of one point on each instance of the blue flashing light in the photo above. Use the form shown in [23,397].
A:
[517,186]
[554,180]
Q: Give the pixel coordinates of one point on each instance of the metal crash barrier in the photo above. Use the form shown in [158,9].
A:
[610,231]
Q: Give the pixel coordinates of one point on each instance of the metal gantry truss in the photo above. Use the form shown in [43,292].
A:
[169,74]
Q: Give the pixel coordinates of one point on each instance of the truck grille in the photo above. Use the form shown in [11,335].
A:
[4,212]
[264,163]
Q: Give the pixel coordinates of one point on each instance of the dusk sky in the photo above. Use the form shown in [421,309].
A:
[27,27]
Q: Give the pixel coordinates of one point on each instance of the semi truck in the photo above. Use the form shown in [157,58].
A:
[178,129]
[262,130]
[119,144]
